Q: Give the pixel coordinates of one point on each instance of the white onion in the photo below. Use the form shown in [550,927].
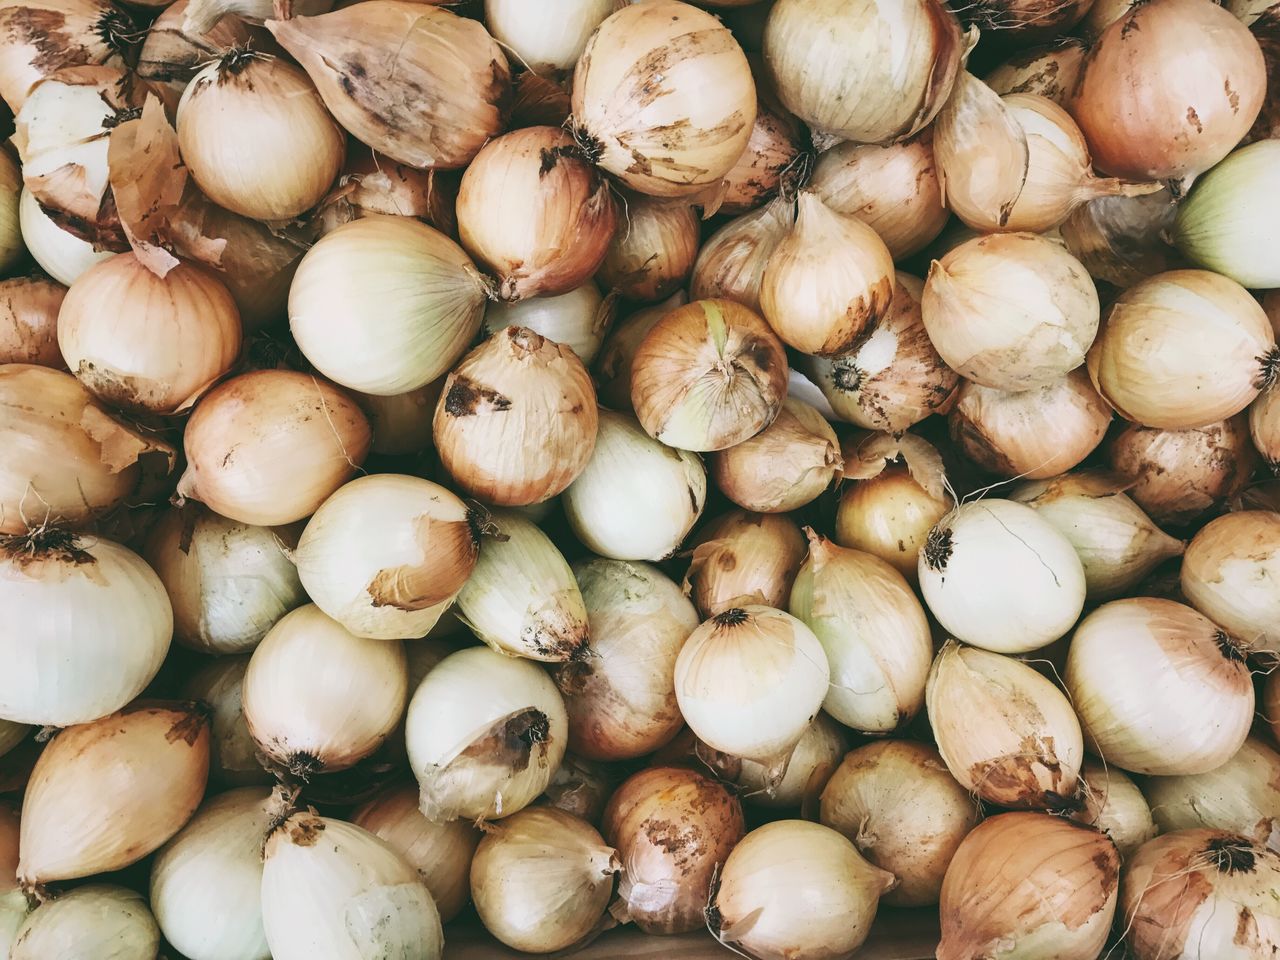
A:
[1114,804]
[99,921]
[61,254]
[579,319]
[549,36]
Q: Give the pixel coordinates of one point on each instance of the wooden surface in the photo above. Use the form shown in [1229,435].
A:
[897,935]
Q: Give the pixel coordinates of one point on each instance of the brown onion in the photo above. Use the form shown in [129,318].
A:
[581,787]
[171,52]
[1229,574]
[775,159]
[889,516]
[731,263]
[617,354]
[401,423]
[1049,71]
[744,558]
[1121,239]
[652,251]
[29,321]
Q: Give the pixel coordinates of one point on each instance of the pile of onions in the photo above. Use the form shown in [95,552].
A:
[621,698]
[547,39]
[1158,688]
[744,558]
[1049,71]
[578,319]
[785,466]
[809,767]
[29,321]
[1242,795]
[97,920]
[613,371]
[233,755]
[1112,803]
[1228,572]
[904,812]
[51,34]
[731,263]
[60,253]
[652,252]
[663,98]
[1032,884]
[673,829]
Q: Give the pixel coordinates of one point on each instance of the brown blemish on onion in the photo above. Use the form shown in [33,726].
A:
[466,398]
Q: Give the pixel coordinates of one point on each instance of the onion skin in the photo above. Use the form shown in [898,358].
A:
[1049,71]
[29,321]
[171,52]
[1229,573]
[775,158]
[652,254]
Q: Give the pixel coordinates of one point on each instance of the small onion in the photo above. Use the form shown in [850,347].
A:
[776,159]
[904,812]
[1183,349]
[785,466]
[579,319]
[890,516]
[60,253]
[613,371]
[809,767]
[580,787]
[47,35]
[1049,71]
[100,921]
[516,422]
[233,756]
[485,735]
[793,889]
[1158,688]
[731,264]
[744,557]
[1230,573]
[653,251]
[541,880]
[29,321]
[673,829]
[549,38]
[1242,795]
[1026,884]
[370,185]
[709,375]
[1114,804]
[1005,732]
[1264,426]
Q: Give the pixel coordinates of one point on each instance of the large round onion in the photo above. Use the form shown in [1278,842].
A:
[1229,574]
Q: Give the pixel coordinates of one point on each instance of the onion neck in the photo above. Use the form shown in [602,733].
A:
[1094,187]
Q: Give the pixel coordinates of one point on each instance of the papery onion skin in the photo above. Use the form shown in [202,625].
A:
[809,767]
[97,920]
[653,250]
[672,828]
[785,466]
[1174,698]
[233,756]
[61,254]
[579,319]
[1229,574]
[741,557]
[369,185]
[1114,804]
[731,263]
[889,516]
[29,321]
[905,813]
[1026,884]
[1049,71]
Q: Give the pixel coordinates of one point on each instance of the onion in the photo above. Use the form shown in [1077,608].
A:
[548,39]
[750,680]
[401,422]
[363,62]
[653,251]
[440,852]
[318,699]
[86,627]
[1203,891]
[1032,885]
[785,466]
[29,321]
[172,52]
[894,189]
[672,829]
[731,263]
[1011,312]
[1183,349]
[613,371]
[1034,433]
[47,35]
[1049,71]
[105,794]
[369,185]
[485,735]
[621,697]
[809,767]
[385,305]
[636,499]
[663,98]
[776,160]
[1271,704]
[742,558]
[1101,15]
[1264,427]
[1005,732]
[98,920]
[331,890]
[11,190]
[795,889]
[385,555]
[904,812]
[517,419]
[578,319]
[864,72]
[709,375]
[1229,575]
[1180,474]
[205,882]
[580,787]
[1117,543]
[1114,805]
[1158,688]
[13,902]
[269,447]
[1121,239]
[61,254]
[204,16]
[541,880]
[233,756]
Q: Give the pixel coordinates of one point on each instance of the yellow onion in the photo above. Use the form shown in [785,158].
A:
[742,558]
[1264,426]
[1148,117]
[86,627]
[889,515]
[579,319]
[206,881]
[1010,311]
[621,697]
[1242,795]
[401,422]
[13,902]
[541,880]
[1005,732]
[904,812]
[243,122]
[793,889]
[440,852]
[1204,893]
[521,598]
[1113,804]
[268,447]
[166,341]
[61,254]
[516,422]
[653,250]
[233,756]
[1179,474]
[331,890]
[1049,71]
[613,369]
[1034,433]
[866,72]
[229,582]
[809,767]
[1117,543]
[548,38]
[369,185]
[663,98]
[776,159]
[874,632]
[362,62]
[29,321]
[47,35]
[580,787]
[105,794]
[1229,574]
[1122,239]
[171,52]
[485,735]
[785,466]
[97,920]
[1027,884]
[830,279]
[318,699]
[731,264]
[1158,688]
[11,245]
[673,829]
[385,304]
[385,555]
[709,375]
[637,499]
[750,680]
